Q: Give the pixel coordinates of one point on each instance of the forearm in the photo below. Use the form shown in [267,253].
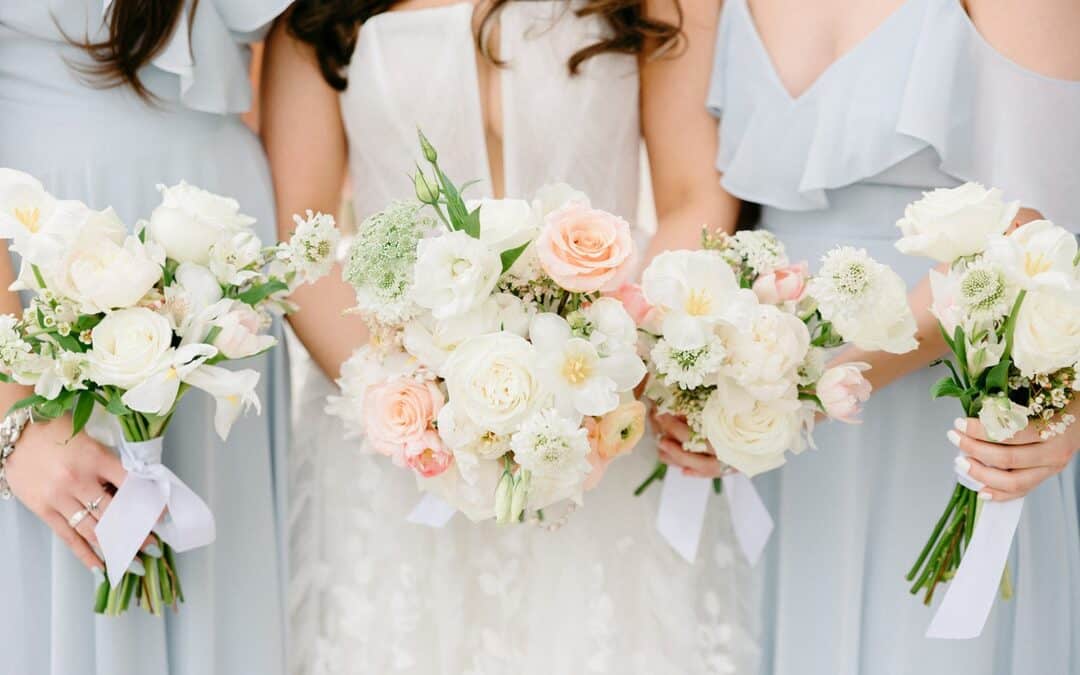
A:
[322,324]
[680,226]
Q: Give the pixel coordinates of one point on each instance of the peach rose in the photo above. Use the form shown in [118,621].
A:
[428,456]
[399,412]
[782,284]
[584,249]
[842,390]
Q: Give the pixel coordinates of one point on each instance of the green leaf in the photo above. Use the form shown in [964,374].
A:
[27,402]
[5,378]
[87,322]
[256,294]
[116,406]
[37,276]
[83,407]
[471,223]
[997,379]
[1010,324]
[946,387]
[510,257]
[212,334]
[948,338]
[69,343]
[960,349]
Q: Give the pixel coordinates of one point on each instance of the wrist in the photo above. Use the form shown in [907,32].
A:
[11,429]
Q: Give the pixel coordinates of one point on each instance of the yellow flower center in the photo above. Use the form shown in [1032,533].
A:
[29,217]
[1036,263]
[171,374]
[576,369]
[698,303]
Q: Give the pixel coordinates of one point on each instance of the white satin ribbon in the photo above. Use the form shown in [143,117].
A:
[149,489]
[431,511]
[750,519]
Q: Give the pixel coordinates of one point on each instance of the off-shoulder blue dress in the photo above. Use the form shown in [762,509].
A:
[108,147]
[922,102]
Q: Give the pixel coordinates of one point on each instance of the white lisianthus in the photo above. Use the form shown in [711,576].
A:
[688,368]
[432,340]
[1047,334]
[554,450]
[611,329]
[190,220]
[194,288]
[240,329]
[102,274]
[694,290]
[492,381]
[1039,256]
[950,223]
[235,257]
[312,247]
[865,301]
[454,273]
[233,391]
[749,434]
[505,224]
[1001,418]
[582,382]
[129,345]
[764,353]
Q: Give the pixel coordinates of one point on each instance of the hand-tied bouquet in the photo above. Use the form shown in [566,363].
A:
[125,324]
[496,372]
[1009,310]
[737,338]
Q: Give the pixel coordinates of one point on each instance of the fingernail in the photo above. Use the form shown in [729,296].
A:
[953,437]
[962,464]
[152,550]
[136,568]
[985,496]
[960,424]
[99,575]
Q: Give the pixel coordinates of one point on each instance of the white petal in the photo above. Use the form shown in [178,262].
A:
[155,395]
[625,368]
[596,396]
[549,331]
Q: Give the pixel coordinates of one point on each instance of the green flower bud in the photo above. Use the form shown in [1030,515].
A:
[503,498]
[426,192]
[521,495]
[425,145]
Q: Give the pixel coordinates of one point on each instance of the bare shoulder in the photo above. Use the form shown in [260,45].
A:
[1040,35]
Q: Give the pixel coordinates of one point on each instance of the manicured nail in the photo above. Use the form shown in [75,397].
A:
[960,424]
[953,437]
[962,464]
[99,575]
[136,568]
[985,496]
[152,550]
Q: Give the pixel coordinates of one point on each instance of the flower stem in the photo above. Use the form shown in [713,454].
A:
[936,532]
[658,474]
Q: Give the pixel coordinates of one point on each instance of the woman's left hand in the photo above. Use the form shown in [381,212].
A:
[673,433]
[1013,468]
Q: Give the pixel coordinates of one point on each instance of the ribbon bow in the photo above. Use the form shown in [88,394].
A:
[137,509]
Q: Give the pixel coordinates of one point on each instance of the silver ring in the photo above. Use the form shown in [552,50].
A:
[93,506]
[77,518]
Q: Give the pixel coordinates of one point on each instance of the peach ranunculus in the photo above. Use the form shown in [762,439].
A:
[842,390]
[598,462]
[585,250]
[399,412]
[621,429]
[428,456]
[782,284]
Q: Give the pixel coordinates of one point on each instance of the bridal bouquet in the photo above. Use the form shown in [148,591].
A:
[123,324]
[737,338]
[1009,310]
[496,371]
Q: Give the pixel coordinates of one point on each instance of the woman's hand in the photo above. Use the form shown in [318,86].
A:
[56,476]
[673,433]
[1015,467]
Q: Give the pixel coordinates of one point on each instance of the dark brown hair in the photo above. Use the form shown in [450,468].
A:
[331,27]
[138,31]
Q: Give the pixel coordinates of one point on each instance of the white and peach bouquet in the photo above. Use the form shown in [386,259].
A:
[497,372]
[738,338]
[121,324]
[1009,310]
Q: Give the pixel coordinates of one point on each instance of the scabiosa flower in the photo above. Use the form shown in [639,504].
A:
[310,251]
[688,368]
[552,447]
[984,292]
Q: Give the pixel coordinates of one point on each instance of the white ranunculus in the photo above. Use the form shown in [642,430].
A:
[764,353]
[1047,334]
[128,346]
[612,328]
[492,381]
[1001,418]
[749,434]
[103,274]
[949,223]
[233,257]
[505,224]
[190,220]
[1038,256]
[454,273]
[582,382]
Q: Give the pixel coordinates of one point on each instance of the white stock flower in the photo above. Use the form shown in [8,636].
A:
[950,223]
[555,450]
[492,381]
[233,391]
[1039,256]
[688,368]
[1047,334]
[865,301]
[17,357]
[190,220]
[750,434]
[235,256]
[454,273]
[1001,418]
[582,382]
[765,352]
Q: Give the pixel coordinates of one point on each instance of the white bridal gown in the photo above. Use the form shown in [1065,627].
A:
[373,594]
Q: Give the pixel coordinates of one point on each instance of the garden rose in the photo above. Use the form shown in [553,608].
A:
[399,412]
[454,273]
[749,434]
[128,346]
[492,381]
[1047,334]
[584,249]
[947,224]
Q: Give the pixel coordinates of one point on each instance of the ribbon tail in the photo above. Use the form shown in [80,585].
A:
[970,595]
[188,523]
[681,515]
[750,518]
[431,511]
[121,531]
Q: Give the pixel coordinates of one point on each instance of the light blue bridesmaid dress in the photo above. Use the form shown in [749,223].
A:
[922,102]
[108,147]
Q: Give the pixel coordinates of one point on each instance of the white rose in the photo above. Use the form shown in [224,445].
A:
[1038,256]
[454,273]
[750,434]
[505,224]
[103,274]
[432,340]
[240,329]
[492,381]
[947,224]
[764,353]
[1047,334]
[1001,418]
[129,345]
[189,221]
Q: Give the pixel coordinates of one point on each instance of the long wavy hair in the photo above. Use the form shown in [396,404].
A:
[138,31]
[331,27]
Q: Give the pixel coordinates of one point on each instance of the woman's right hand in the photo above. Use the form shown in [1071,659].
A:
[56,476]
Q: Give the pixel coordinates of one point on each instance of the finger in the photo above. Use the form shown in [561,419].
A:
[972,427]
[109,469]
[58,522]
[1003,485]
[86,526]
[707,465]
[674,427]
[1000,456]
[694,474]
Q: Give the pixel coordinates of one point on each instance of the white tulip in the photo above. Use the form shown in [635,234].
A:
[233,392]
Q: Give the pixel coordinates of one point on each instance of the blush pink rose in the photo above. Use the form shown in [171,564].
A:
[428,456]
[399,412]
[842,390]
[782,284]
[585,250]
[634,302]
